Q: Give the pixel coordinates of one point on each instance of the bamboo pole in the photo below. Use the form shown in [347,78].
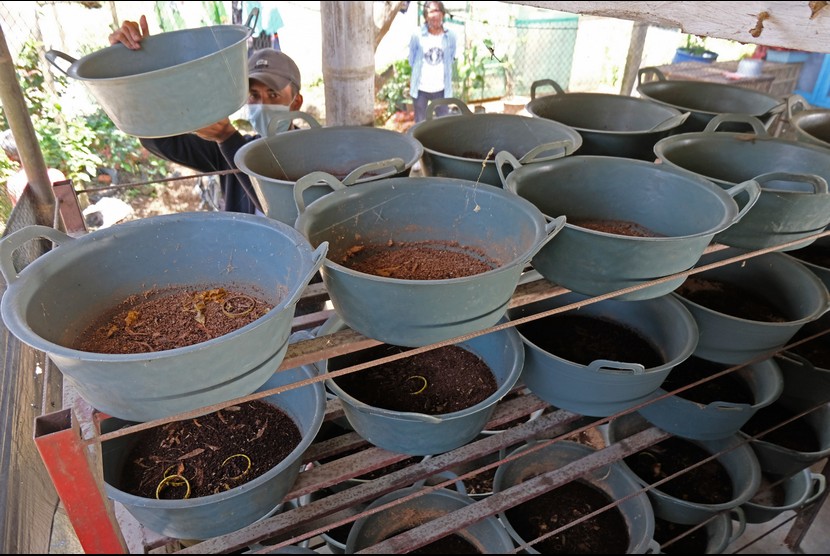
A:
[14,106]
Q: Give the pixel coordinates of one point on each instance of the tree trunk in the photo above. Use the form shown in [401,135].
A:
[348,62]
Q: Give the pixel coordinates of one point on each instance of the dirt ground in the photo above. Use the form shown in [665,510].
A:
[177,195]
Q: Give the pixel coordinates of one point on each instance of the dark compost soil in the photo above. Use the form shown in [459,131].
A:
[618,227]
[171,318]
[583,339]
[442,380]
[729,299]
[708,483]
[211,453]
[796,435]
[427,260]
[725,388]
[604,533]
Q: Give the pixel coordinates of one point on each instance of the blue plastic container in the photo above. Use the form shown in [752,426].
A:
[685,55]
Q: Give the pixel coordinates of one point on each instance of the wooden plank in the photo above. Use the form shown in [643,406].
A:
[788,24]
[29,386]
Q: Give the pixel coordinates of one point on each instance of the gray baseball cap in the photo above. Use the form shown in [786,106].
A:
[274,68]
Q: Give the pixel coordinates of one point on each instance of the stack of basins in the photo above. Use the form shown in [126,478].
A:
[626,229]
[632,224]
[503,193]
[422,224]
[62,293]
[610,125]
[705,100]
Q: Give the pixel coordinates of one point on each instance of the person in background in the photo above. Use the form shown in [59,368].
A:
[432,50]
[18,181]
[273,87]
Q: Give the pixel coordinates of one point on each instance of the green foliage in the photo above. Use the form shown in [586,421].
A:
[695,45]
[470,71]
[64,144]
[81,145]
[215,13]
[501,60]
[169,16]
[7,169]
[396,90]
[78,146]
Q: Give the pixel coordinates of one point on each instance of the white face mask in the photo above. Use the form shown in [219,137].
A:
[260,115]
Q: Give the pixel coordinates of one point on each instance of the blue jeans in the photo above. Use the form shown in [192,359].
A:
[420,105]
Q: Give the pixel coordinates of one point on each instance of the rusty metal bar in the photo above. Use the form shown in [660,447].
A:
[58,439]
[69,208]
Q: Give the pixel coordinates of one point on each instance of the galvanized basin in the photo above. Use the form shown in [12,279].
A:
[465,146]
[48,303]
[177,82]
[353,154]
[705,100]
[684,210]
[610,125]
[794,201]
[479,218]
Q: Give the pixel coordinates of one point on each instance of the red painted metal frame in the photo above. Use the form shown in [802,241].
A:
[66,457]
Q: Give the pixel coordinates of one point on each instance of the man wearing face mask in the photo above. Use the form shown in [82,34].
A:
[273,87]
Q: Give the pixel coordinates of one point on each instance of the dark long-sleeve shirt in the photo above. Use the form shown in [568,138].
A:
[208,156]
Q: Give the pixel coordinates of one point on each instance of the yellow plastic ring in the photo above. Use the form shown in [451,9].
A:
[170,480]
[166,474]
[238,456]
[424,387]
[247,307]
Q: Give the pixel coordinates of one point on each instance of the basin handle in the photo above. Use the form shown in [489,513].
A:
[459,485]
[332,325]
[562,148]
[319,257]
[796,359]
[447,101]
[291,116]
[12,242]
[755,123]
[502,158]
[393,166]
[740,517]
[253,15]
[556,87]
[795,104]
[52,55]
[301,336]
[650,71]
[820,483]
[818,183]
[729,406]
[397,415]
[670,123]
[617,367]
[551,229]
[752,188]
[310,180]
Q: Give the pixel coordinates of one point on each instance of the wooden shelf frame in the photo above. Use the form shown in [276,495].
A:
[307,521]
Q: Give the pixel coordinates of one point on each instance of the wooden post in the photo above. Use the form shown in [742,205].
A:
[348,62]
[635,56]
[14,106]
